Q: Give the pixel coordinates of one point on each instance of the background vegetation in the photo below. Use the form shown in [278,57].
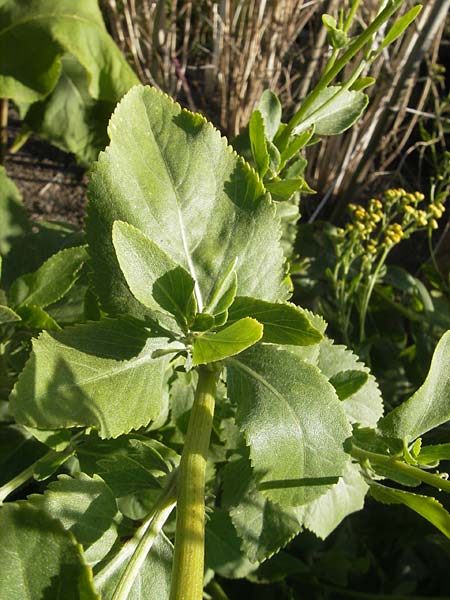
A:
[369,254]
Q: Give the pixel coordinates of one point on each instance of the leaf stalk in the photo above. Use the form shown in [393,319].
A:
[402,468]
[145,537]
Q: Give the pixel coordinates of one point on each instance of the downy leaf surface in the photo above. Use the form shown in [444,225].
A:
[85,376]
[152,276]
[211,347]
[34,34]
[169,173]
[293,422]
[39,558]
[333,111]
[283,323]
[429,406]
[324,514]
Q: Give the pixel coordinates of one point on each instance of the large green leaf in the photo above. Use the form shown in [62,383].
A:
[86,507]
[333,111]
[426,506]
[34,34]
[429,407]
[263,526]
[39,559]
[365,405]
[85,119]
[153,579]
[51,281]
[101,374]
[211,347]
[283,323]
[324,514]
[293,422]
[13,217]
[169,173]
[152,276]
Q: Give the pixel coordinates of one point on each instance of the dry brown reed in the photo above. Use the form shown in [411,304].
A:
[218,56]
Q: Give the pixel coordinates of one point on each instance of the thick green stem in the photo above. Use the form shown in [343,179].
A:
[188,563]
[401,467]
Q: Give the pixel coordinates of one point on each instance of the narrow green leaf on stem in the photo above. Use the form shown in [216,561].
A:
[399,26]
[149,531]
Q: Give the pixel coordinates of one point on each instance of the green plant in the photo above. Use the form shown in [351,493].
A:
[200,344]
[363,246]
[63,72]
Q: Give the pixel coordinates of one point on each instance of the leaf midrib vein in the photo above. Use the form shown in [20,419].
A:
[188,257]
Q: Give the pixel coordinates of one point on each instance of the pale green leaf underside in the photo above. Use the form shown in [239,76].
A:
[429,407]
[426,506]
[67,382]
[333,111]
[35,33]
[51,281]
[152,276]
[211,347]
[170,174]
[293,422]
[324,514]
[39,559]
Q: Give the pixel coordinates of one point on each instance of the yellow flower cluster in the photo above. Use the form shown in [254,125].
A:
[386,222]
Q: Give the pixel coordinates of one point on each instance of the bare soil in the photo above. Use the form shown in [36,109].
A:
[52,184]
